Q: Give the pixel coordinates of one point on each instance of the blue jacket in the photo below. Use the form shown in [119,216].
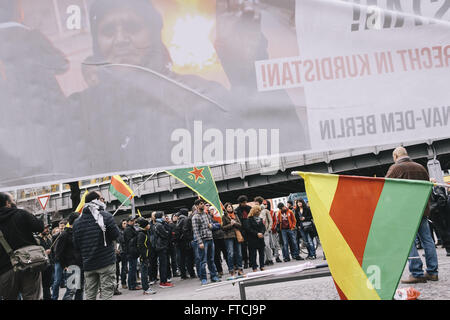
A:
[88,238]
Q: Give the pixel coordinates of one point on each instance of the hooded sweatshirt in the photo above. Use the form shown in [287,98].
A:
[17,226]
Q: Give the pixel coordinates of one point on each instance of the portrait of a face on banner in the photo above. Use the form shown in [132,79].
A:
[91,88]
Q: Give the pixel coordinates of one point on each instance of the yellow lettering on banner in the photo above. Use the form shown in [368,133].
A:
[346,271]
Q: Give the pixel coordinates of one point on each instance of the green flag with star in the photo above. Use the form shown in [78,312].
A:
[201,181]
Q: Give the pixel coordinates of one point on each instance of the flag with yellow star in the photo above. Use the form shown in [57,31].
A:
[201,181]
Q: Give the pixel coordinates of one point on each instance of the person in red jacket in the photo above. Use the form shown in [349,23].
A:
[287,225]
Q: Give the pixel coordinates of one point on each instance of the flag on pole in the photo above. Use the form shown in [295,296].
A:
[366,227]
[121,190]
[82,202]
[201,181]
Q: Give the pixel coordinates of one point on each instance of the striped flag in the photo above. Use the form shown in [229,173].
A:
[366,227]
[82,202]
[121,190]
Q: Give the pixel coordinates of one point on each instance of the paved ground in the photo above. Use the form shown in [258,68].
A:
[311,289]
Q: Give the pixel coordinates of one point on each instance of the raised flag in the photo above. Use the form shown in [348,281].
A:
[121,190]
[366,227]
[80,207]
[201,181]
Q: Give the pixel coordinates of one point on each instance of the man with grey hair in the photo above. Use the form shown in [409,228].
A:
[405,168]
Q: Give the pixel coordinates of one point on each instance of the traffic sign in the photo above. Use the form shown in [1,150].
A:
[43,201]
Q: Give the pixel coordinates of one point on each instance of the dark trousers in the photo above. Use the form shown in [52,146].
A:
[186,256]
[47,280]
[441,223]
[132,272]
[162,257]
[144,274]
[153,265]
[124,268]
[172,266]
[26,284]
[253,251]
[219,247]
[244,249]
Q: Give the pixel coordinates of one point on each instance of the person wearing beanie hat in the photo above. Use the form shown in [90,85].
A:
[160,245]
[144,247]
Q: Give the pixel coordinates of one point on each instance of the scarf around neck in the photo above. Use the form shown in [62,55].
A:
[94,207]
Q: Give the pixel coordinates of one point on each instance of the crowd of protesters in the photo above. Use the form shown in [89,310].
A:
[92,256]
[142,254]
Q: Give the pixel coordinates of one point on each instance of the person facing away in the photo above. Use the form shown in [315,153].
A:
[17,226]
[405,168]
[94,235]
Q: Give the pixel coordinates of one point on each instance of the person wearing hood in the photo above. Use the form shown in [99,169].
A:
[17,226]
[130,241]
[185,251]
[67,256]
[160,245]
[144,247]
[94,234]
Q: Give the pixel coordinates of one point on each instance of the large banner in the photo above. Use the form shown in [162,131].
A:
[91,88]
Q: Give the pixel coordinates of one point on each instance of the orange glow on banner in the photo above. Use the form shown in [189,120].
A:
[192,55]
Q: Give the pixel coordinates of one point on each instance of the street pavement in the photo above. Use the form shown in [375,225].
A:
[310,289]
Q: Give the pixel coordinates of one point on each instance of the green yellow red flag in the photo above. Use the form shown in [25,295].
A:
[121,190]
[201,181]
[366,227]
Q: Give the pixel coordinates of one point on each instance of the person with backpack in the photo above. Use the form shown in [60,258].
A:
[183,239]
[94,235]
[144,247]
[160,243]
[130,241]
[440,214]
[17,227]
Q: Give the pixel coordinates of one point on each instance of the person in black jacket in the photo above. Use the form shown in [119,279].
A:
[130,241]
[144,247]
[306,227]
[172,265]
[17,227]
[161,245]
[94,234]
[242,212]
[44,239]
[122,262]
[255,232]
[68,256]
[184,238]
[440,214]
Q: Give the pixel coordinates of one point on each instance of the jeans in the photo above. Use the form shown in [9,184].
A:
[132,269]
[186,255]
[58,276]
[234,258]
[172,265]
[289,240]
[252,251]
[415,262]
[309,241]
[206,257]
[162,257]
[196,256]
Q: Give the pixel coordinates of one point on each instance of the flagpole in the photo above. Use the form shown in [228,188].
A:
[134,191]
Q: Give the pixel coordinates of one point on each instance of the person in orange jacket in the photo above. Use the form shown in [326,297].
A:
[287,225]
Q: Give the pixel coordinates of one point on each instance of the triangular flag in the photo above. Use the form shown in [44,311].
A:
[201,181]
[366,227]
[79,209]
[121,190]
